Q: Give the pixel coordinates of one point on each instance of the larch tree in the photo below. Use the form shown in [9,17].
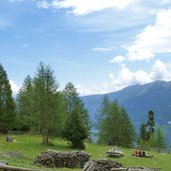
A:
[7,105]
[47,103]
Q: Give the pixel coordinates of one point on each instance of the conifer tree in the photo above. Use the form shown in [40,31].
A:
[160,139]
[150,129]
[115,126]
[147,131]
[76,128]
[24,103]
[128,131]
[48,103]
[7,105]
[150,124]
[143,135]
[102,125]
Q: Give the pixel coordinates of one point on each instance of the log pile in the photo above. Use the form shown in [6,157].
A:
[53,158]
[101,165]
[110,165]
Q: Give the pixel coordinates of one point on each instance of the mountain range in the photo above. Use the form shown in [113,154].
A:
[138,100]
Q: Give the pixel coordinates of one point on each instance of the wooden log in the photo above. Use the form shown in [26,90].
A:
[118,169]
[14,168]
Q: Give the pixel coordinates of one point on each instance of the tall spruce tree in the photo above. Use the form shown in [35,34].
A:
[147,131]
[48,107]
[76,128]
[150,128]
[151,123]
[7,105]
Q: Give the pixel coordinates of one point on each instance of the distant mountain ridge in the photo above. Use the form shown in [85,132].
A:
[138,100]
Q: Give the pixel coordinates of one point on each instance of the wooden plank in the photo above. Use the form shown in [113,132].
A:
[13,168]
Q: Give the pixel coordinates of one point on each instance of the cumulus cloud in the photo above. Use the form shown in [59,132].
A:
[126,77]
[15,88]
[160,71]
[117,59]
[165,1]
[154,39]
[82,7]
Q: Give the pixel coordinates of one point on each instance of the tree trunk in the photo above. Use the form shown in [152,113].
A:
[45,139]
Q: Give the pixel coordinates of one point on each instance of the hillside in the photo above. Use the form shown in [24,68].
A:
[22,153]
[138,100]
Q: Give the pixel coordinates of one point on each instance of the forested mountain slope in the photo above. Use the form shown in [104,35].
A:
[138,100]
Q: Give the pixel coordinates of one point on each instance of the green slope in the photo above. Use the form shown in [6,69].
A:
[27,147]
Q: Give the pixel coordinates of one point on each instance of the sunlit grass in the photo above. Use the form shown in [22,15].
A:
[30,146]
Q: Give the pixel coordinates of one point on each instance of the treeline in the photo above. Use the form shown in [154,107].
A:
[40,107]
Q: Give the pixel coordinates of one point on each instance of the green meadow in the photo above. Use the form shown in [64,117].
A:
[22,152]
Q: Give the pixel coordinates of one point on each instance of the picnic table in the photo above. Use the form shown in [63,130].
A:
[114,153]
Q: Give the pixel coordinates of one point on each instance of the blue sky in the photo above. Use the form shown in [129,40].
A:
[99,45]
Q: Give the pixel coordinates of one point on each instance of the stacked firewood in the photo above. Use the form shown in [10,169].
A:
[51,158]
[110,165]
[101,165]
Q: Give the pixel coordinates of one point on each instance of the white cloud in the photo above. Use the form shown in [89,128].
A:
[126,77]
[117,59]
[82,7]
[90,90]
[160,71]
[14,87]
[43,4]
[165,1]
[154,39]
[102,49]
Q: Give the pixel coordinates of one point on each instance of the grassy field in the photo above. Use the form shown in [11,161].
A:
[26,148]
